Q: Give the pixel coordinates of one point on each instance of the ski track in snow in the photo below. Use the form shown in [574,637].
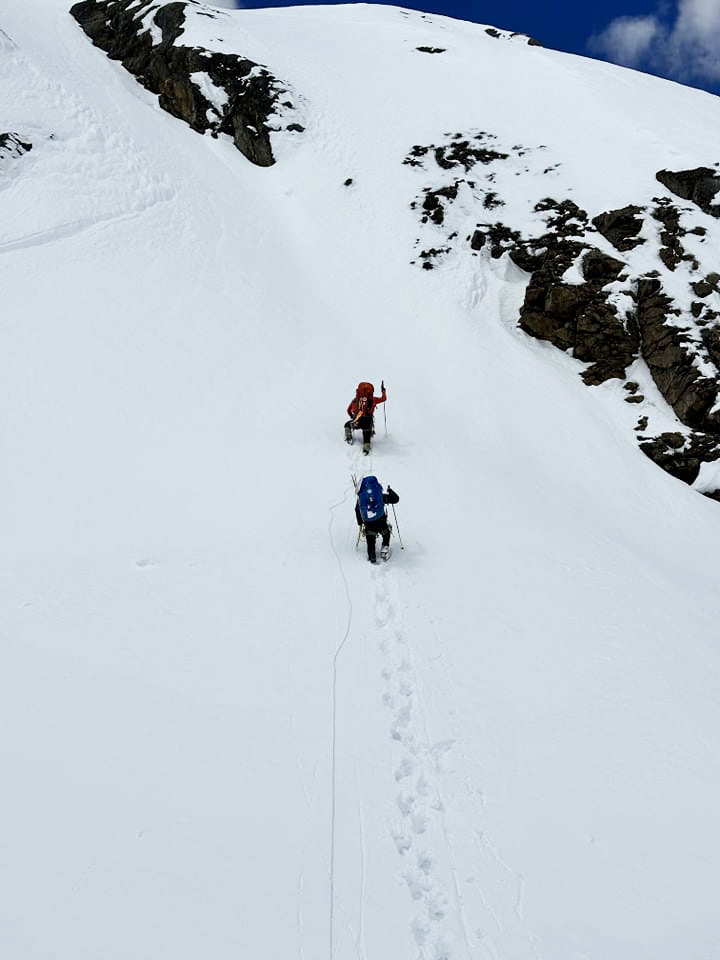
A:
[333,788]
[66,231]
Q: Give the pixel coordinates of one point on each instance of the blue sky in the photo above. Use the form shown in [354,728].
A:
[678,39]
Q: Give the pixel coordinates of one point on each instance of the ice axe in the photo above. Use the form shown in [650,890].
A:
[382,390]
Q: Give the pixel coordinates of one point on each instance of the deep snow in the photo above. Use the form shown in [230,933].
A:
[521,706]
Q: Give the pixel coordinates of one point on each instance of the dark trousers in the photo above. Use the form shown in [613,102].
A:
[362,423]
[372,529]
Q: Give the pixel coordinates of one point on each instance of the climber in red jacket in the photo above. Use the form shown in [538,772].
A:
[361,410]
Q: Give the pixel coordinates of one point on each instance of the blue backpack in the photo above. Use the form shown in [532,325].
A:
[370,500]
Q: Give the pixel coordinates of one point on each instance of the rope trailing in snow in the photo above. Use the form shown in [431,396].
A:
[334,718]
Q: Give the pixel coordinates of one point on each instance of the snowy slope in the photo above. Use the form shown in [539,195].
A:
[224,732]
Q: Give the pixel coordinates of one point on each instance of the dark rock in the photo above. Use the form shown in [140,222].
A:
[577,317]
[551,306]
[699,186]
[504,240]
[711,339]
[706,286]
[477,241]
[682,456]
[598,266]
[252,94]
[429,255]
[567,218]
[602,340]
[676,441]
[465,154]
[12,146]
[497,35]
[492,200]
[349,182]
[621,227]
[664,348]
[414,158]
[672,252]
[564,300]
[433,205]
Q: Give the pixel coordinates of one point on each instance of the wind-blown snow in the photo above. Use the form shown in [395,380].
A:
[225,734]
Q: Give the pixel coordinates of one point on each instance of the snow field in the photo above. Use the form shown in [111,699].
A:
[522,703]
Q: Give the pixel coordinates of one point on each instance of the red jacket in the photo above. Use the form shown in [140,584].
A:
[359,407]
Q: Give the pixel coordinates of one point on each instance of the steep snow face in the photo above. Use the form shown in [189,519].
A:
[225,732]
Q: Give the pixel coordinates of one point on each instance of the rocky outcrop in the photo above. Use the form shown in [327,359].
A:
[682,456]
[607,310]
[672,250]
[577,316]
[672,365]
[699,186]
[217,92]
[573,315]
[602,338]
[621,227]
[459,152]
[433,206]
[706,286]
[11,145]
[507,35]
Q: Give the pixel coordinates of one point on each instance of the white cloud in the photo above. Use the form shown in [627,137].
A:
[628,40]
[684,45]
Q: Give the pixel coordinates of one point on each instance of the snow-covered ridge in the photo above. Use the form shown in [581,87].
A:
[173,50]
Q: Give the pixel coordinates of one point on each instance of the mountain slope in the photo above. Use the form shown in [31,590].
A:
[226,732]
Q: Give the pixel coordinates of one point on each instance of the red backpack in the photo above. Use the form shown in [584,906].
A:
[364,399]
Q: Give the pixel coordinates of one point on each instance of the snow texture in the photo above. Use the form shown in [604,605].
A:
[224,732]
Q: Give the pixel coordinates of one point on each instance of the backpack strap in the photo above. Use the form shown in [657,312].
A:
[364,408]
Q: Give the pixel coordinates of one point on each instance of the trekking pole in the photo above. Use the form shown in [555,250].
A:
[382,388]
[360,529]
[397,527]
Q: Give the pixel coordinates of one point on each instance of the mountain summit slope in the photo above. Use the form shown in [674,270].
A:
[648,317]
[226,733]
